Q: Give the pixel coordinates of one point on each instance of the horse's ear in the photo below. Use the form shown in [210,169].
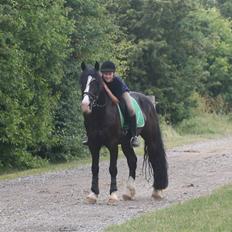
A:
[83,66]
[97,66]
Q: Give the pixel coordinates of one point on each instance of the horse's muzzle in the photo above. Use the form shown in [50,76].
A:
[85,108]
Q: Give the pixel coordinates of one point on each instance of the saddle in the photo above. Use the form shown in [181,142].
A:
[138,112]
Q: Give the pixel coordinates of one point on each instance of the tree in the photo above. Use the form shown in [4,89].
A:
[212,34]
[170,50]
[156,61]
[33,46]
[225,7]
[93,40]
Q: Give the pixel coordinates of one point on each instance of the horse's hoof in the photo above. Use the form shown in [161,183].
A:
[129,195]
[126,197]
[113,199]
[130,190]
[157,194]
[91,198]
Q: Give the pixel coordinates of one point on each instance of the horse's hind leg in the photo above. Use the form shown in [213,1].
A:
[157,159]
[132,164]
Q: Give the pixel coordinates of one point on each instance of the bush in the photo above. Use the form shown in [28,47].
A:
[33,46]
[19,159]
[205,124]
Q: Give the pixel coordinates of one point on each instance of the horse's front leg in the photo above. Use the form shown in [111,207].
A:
[113,173]
[92,197]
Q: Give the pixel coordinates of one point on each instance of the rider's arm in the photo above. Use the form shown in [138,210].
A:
[113,98]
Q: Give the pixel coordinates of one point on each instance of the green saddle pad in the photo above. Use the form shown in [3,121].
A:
[139,115]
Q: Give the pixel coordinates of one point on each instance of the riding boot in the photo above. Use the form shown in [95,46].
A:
[133,127]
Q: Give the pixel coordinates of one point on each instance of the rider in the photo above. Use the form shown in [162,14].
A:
[119,92]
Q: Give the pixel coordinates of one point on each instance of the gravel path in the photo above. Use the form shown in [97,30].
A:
[56,201]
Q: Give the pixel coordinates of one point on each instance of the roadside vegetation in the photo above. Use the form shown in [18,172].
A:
[201,127]
[210,213]
[178,51]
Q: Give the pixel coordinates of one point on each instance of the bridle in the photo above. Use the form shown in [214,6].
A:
[93,99]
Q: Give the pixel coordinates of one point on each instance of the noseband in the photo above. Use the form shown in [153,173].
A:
[93,100]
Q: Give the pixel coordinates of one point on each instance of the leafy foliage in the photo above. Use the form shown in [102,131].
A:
[170,49]
[213,35]
[178,48]
[92,39]
[33,45]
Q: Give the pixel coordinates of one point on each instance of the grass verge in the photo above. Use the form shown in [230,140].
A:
[12,174]
[201,127]
[212,213]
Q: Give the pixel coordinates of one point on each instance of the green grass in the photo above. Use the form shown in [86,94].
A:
[201,127]
[206,124]
[212,214]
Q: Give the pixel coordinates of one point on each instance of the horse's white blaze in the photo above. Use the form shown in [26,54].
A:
[86,99]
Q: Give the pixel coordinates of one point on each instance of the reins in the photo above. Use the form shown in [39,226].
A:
[94,99]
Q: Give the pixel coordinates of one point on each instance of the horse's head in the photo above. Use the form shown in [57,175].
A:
[91,86]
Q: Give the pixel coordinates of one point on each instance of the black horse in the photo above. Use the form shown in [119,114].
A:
[102,123]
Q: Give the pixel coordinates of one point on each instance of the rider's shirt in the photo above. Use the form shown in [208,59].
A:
[117,87]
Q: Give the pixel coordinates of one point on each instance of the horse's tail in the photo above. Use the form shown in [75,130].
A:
[147,168]
[155,162]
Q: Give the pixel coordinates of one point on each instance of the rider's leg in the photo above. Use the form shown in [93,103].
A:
[133,126]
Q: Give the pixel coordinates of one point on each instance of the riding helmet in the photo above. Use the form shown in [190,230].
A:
[108,66]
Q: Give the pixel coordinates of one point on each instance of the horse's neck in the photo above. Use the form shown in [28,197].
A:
[103,98]
[103,109]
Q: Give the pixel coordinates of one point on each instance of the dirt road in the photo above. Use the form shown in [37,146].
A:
[56,201]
